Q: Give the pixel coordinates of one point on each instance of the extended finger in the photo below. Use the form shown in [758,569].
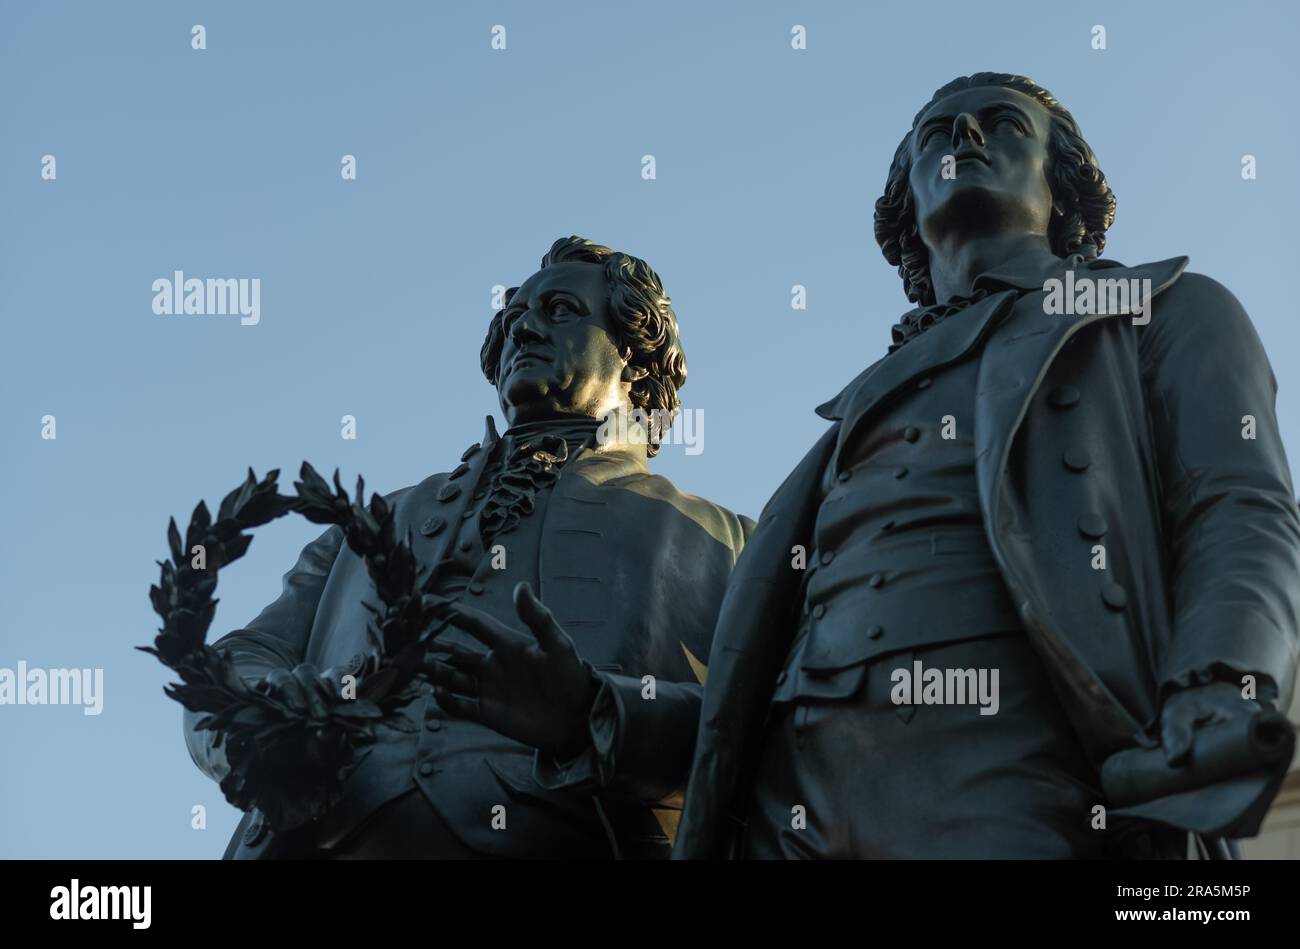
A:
[458,705]
[309,681]
[545,627]
[487,629]
[284,688]
[331,680]
[447,677]
[461,657]
[274,681]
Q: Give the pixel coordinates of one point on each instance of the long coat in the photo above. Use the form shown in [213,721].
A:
[1191,500]
[632,568]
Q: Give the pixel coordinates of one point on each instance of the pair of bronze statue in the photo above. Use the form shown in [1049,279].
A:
[1096,508]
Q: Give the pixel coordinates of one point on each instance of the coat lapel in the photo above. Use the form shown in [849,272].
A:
[1014,363]
[754,632]
[438,504]
[942,345]
[1016,360]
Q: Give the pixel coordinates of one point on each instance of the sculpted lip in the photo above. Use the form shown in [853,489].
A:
[528,354]
[970,154]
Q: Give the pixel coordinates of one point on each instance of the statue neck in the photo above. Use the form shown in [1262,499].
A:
[955,264]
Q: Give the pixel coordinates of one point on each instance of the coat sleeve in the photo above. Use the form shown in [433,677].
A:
[639,749]
[1229,510]
[277,638]
[753,636]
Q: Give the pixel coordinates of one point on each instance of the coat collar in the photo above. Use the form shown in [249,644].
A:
[607,457]
[1025,272]
[1028,271]
[947,342]
[490,436]
[1014,365]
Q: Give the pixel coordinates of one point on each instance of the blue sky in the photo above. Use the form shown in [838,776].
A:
[375,293]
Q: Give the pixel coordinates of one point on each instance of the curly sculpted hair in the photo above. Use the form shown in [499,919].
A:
[1083,204]
[644,324]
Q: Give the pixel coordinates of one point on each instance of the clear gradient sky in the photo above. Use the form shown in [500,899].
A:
[375,293]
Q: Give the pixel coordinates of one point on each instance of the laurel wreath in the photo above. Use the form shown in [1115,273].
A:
[287,761]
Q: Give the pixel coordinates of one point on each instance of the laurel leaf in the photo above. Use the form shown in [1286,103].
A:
[283,759]
[201,517]
[174,541]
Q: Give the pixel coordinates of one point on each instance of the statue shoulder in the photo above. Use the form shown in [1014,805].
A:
[1163,274]
[402,496]
[1206,294]
[724,525]
[1199,306]
[1199,330]
[1188,304]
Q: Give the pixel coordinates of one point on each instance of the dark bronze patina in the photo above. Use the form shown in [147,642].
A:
[530,737]
[1068,499]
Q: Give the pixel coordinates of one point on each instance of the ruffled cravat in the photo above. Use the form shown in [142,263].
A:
[535,453]
[915,322]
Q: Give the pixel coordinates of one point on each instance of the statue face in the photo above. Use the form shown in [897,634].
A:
[998,138]
[559,355]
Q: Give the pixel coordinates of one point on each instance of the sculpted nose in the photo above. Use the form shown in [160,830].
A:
[524,330]
[965,128]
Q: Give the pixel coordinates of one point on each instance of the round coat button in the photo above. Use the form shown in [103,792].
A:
[875,632]
[432,526]
[1092,525]
[464,546]
[911,433]
[924,383]
[449,492]
[1076,459]
[476,588]
[426,769]
[875,580]
[819,611]
[828,557]
[1063,397]
[1113,595]
[469,453]
[900,471]
[433,724]
[460,470]
[843,476]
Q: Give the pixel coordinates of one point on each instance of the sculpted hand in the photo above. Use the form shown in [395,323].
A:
[288,759]
[308,693]
[304,689]
[1187,711]
[531,685]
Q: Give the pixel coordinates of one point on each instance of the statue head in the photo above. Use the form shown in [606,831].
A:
[590,333]
[993,152]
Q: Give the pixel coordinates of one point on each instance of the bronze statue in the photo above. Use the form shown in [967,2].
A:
[1093,507]
[556,730]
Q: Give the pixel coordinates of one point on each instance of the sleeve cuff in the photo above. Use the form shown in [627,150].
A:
[1266,692]
[593,767]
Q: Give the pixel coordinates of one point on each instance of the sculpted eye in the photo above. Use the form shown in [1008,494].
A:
[560,308]
[1011,120]
[928,137]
